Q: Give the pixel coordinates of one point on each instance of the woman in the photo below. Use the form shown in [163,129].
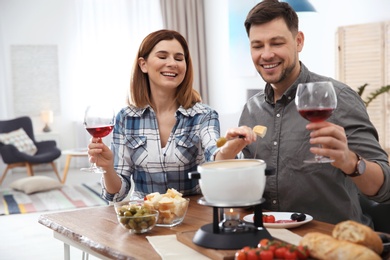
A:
[164,132]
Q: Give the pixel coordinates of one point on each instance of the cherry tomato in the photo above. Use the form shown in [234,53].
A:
[246,248]
[270,219]
[280,252]
[263,242]
[266,255]
[240,255]
[252,254]
[302,252]
[278,243]
[272,247]
[290,254]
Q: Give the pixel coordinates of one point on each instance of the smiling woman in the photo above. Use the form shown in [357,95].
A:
[165,130]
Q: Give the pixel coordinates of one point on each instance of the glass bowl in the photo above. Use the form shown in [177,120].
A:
[171,211]
[135,217]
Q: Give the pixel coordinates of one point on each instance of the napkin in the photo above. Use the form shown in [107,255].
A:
[169,248]
[285,235]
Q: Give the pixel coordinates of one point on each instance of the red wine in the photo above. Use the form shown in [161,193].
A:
[316,114]
[100,131]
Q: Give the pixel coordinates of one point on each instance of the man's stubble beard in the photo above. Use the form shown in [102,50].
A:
[285,73]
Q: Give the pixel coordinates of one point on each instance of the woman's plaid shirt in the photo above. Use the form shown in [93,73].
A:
[138,153]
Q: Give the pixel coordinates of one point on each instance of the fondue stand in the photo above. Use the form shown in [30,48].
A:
[227,230]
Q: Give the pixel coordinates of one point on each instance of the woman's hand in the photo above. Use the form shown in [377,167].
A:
[237,139]
[100,154]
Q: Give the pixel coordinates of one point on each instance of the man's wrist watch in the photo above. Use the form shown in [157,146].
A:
[360,167]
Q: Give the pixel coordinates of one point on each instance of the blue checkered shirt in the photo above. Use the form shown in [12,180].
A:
[138,153]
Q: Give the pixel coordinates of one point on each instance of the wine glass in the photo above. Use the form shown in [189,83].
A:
[99,121]
[316,101]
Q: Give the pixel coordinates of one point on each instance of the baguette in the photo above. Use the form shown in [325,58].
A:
[324,247]
[359,234]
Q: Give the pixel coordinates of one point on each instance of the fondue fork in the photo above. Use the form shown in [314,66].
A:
[222,140]
[258,129]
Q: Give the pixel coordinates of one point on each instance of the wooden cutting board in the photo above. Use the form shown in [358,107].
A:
[217,254]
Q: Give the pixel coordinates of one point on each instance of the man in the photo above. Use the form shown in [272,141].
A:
[329,192]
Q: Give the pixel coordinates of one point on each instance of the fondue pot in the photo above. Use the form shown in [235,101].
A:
[232,182]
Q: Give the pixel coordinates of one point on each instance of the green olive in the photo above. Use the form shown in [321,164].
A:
[135,217]
[123,221]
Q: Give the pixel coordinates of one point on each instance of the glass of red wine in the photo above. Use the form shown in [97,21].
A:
[99,121]
[316,101]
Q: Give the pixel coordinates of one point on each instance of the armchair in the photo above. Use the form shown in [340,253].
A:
[379,213]
[44,152]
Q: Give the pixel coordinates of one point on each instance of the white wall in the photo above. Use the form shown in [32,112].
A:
[40,22]
[52,22]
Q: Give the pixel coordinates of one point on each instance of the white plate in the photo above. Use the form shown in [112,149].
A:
[280,216]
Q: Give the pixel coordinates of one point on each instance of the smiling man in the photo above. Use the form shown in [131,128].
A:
[328,191]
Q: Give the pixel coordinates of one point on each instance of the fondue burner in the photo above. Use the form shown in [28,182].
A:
[227,231]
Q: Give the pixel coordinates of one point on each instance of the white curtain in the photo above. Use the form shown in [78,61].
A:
[3,90]
[108,36]
[187,17]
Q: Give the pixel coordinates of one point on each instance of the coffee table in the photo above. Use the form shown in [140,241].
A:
[77,152]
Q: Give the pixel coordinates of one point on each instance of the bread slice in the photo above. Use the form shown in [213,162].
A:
[260,130]
[166,203]
[322,246]
[180,208]
[358,233]
[167,218]
[173,193]
[149,205]
[150,196]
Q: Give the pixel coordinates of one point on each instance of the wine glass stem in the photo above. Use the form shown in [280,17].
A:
[318,157]
[97,169]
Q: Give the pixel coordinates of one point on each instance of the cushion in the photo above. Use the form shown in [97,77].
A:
[35,184]
[20,140]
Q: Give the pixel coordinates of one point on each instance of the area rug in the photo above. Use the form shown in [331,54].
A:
[68,197]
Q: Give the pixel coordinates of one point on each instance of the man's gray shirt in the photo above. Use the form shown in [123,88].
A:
[320,190]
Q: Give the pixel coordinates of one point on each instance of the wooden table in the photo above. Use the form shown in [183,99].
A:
[79,152]
[97,232]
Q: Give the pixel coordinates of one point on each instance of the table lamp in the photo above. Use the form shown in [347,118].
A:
[47,118]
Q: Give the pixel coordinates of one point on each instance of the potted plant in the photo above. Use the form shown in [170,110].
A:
[373,94]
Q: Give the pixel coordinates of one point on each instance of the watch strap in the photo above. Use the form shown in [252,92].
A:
[356,172]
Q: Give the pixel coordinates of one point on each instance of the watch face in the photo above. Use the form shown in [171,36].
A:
[361,166]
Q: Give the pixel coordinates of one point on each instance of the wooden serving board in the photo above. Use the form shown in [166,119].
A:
[217,254]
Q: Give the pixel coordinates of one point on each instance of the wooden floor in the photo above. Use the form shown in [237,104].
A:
[22,237]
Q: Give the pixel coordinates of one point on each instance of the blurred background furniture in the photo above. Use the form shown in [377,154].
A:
[44,151]
[379,213]
[78,152]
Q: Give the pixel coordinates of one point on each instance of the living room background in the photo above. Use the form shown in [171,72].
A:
[43,22]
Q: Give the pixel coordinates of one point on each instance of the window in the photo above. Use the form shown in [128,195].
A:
[364,57]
